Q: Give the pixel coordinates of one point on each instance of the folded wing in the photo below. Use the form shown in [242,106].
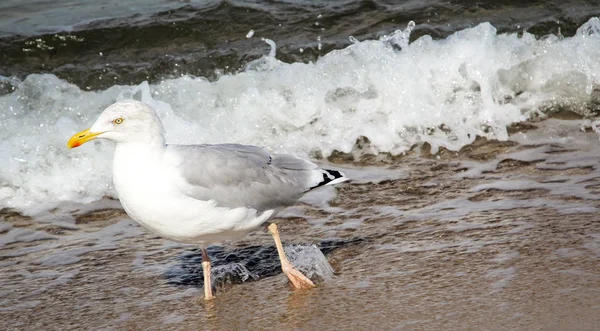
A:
[235,175]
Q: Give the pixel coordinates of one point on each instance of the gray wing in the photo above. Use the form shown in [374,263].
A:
[243,176]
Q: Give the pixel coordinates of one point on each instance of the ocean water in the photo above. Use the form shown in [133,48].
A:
[395,92]
[442,229]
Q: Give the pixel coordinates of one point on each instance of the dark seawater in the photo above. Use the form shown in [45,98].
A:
[112,42]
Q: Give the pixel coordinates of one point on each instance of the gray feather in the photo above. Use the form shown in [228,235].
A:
[238,175]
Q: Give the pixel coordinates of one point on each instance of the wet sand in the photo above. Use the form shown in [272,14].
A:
[498,236]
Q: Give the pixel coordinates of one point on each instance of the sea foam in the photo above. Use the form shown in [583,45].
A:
[395,93]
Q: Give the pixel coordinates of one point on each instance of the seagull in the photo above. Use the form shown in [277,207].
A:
[201,194]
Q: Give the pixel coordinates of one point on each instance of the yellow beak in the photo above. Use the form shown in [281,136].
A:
[82,137]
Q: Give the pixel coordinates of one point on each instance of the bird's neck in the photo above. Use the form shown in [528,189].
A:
[136,163]
[139,154]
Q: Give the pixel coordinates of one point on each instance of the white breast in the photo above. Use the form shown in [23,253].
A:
[149,192]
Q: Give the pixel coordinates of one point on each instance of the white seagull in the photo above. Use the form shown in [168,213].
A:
[200,194]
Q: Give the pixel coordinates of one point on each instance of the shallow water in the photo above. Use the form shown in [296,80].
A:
[497,236]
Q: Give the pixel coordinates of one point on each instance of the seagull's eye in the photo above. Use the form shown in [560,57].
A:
[118,120]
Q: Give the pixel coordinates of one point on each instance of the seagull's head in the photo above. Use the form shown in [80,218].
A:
[127,121]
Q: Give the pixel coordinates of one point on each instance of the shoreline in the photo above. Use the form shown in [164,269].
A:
[504,236]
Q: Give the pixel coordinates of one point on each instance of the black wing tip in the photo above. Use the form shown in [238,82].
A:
[330,177]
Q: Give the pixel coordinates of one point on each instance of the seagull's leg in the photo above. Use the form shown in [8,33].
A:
[296,277]
[206,270]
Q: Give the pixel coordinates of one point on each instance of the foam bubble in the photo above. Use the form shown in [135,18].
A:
[227,273]
[310,261]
